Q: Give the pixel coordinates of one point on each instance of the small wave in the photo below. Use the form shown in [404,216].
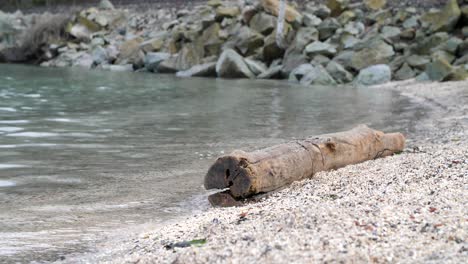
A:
[8,109]
[10,129]
[11,166]
[33,134]
[14,122]
[6,183]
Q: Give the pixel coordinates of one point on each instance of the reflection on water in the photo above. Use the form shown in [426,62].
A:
[82,153]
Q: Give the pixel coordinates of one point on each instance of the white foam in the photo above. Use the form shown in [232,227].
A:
[8,109]
[14,121]
[33,134]
[9,129]
[6,183]
[11,166]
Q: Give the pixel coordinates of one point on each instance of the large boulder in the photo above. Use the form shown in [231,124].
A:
[248,40]
[318,76]
[438,70]
[304,36]
[153,44]
[444,20]
[153,59]
[372,52]
[263,23]
[201,70]
[272,7]
[375,74]
[211,40]
[130,52]
[232,65]
[190,55]
[339,73]
[298,73]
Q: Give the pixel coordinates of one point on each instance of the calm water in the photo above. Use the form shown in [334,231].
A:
[85,153]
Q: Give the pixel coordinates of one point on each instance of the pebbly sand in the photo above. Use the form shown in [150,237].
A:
[408,208]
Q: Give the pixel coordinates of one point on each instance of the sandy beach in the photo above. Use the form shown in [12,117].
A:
[408,208]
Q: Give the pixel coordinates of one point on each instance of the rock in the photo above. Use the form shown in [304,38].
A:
[348,41]
[408,34]
[214,3]
[168,66]
[298,73]
[152,45]
[263,23]
[404,73]
[412,22]
[106,4]
[85,61]
[231,65]
[274,72]
[292,61]
[304,36]
[153,59]
[426,45]
[248,13]
[444,20]
[344,58]
[130,52]
[271,50]
[99,55]
[211,40]
[465,31]
[337,6]
[311,21]
[462,60]
[391,33]
[320,60]
[318,76]
[118,68]
[422,77]
[327,28]
[452,45]
[458,74]
[418,61]
[438,70]
[321,11]
[202,70]
[272,7]
[248,40]
[443,55]
[346,17]
[375,4]
[256,67]
[190,55]
[354,28]
[372,52]
[226,12]
[321,48]
[375,74]
[80,32]
[339,73]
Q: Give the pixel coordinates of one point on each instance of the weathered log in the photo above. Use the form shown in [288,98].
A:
[250,173]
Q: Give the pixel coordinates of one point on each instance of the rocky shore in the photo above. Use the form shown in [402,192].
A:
[324,44]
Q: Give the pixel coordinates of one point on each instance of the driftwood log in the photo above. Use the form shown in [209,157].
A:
[248,173]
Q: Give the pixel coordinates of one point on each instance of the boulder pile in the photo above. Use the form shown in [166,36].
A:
[328,44]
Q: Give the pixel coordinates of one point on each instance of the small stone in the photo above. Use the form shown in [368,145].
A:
[417,61]
[321,48]
[438,70]
[339,73]
[311,20]
[404,73]
[375,4]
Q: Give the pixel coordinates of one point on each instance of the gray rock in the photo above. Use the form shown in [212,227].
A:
[311,20]
[248,40]
[153,59]
[202,70]
[354,28]
[412,22]
[327,28]
[320,60]
[232,65]
[274,72]
[404,73]
[304,36]
[339,73]
[445,19]
[318,76]
[375,74]
[298,73]
[293,60]
[438,70]
[348,41]
[256,67]
[263,23]
[106,4]
[317,47]
[99,55]
[85,61]
[168,66]
[391,33]
[322,11]
[371,52]
[418,61]
[443,55]
[344,58]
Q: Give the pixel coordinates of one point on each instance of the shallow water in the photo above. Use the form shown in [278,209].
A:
[85,153]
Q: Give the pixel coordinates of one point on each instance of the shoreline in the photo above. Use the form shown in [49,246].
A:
[408,207]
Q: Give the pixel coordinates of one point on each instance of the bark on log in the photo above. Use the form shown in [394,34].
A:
[250,173]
